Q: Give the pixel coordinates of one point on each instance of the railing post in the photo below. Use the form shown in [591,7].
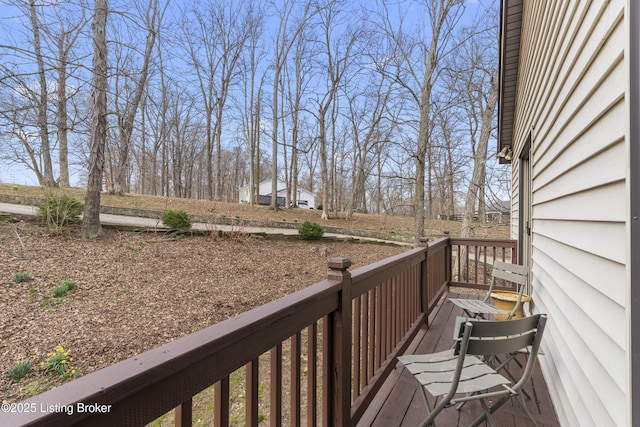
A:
[424,278]
[449,258]
[337,393]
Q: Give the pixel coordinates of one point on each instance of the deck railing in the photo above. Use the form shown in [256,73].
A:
[472,260]
[317,357]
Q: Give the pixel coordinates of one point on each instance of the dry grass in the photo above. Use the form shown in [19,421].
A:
[392,227]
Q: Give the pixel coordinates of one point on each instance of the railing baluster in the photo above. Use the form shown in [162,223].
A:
[183,414]
[384,327]
[366,351]
[357,346]
[221,403]
[275,391]
[485,269]
[296,374]
[252,383]
[312,372]
[390,301]
[375,339]
[326,372]
[378,328]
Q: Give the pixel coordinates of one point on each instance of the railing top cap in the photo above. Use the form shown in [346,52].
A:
[339,263]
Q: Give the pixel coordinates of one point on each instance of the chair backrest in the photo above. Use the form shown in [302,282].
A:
[500,337]
[515,273]
[481,337]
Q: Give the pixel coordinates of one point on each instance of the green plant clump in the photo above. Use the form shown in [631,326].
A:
[58,210]
[19,370]
[21,277]
[310,230]
[64,287]
[59,362]
[176,220]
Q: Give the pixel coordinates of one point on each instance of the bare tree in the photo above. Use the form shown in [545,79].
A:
[234,24]
[64,38]
[295,80]
[252,96]
[201,45]
[152,19]
[28,67]
[419,60]
[43,99]
[480,90]
[215,46]
[337,55]
[366,115]
[285,39]
[91,220]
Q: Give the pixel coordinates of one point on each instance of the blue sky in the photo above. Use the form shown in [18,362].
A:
[11,27]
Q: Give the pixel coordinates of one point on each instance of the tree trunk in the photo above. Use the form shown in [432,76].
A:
[423,140]
[63,151]
[126,122]
[45,149]
[91,220]
[323,166]
[479,162]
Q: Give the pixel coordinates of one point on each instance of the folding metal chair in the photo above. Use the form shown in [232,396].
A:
[462,371]
[517,274]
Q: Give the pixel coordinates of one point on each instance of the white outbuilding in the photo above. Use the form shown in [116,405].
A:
[304,198]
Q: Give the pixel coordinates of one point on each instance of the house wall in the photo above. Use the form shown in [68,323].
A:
[571,99]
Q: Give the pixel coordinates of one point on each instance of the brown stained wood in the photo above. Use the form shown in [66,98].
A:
[252,384]
[357,345]
[401,398]
[312,374]
[364,377]
[295,381]
[327,347]
[379,336]
[372,334]
[389,320]
[275,389]
[221,403]
[183,414]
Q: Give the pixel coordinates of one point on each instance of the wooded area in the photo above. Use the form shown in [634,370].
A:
[374,106]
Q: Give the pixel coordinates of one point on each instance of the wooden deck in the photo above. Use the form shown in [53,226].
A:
[399,402]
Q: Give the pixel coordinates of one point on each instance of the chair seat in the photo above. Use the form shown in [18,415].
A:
[477,306]
[515,274]
[435,372]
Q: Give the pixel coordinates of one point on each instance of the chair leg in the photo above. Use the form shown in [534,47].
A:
[424,399]
[487,412]
[526,409]
[504,366]
[490,411]
[427,406]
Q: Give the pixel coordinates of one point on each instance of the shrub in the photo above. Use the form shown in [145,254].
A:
[58,210]
[176,220]
[19,370]
[64,287]
[310,230]
[21,277]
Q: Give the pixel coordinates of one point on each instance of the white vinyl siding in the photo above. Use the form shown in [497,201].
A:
[571,99]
